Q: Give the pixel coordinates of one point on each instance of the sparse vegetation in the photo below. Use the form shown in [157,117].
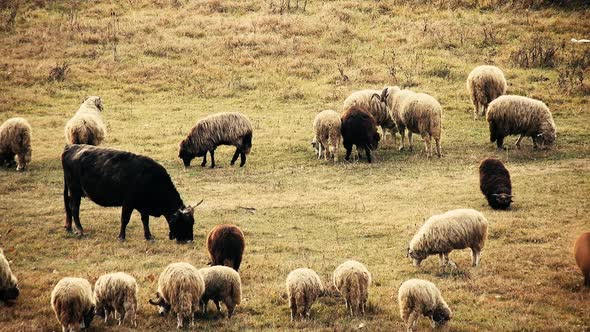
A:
[161,65]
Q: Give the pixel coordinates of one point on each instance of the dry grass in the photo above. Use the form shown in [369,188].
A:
[161,65]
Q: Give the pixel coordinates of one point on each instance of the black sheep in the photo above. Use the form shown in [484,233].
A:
[494,182]
[111,177]
[359,128]
[226,246]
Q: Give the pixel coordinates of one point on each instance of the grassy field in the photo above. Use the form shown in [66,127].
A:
[161,65]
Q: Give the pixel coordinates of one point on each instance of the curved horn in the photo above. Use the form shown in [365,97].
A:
[384,95]
[158,300]
[376,95]
[194,206]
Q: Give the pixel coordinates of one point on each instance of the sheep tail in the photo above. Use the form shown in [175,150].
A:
[236,292]
[354,294]
[247,143]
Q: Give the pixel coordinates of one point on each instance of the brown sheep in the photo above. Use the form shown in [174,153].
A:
[225,244]
[582,254]
[359,128]
[15,139]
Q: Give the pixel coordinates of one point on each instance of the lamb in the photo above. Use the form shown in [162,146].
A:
[116,293]
[484,84]
[87,126]
[15,139]
[8,283]
[180,288]
[303,288]
[359,128]
[442,233]
[326,127]
[371,101]
[352,279]
[223,284]
[495,184]
[421,297]
[419,113]
[214,130]
[582,255]
[225,244]
[73,303]
[517,115]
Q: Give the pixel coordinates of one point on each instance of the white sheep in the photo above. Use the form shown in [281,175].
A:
[73,303]
[87,126]
[418,113]
[442,233]
[484,84]
[8,283]
[223,284]
[15,139]
[326,127]
[417,298]
[371,101]
[303,288]
[517,115]
[352,280]
[180,288]
[116,293]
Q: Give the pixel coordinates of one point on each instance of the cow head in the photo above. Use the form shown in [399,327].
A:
[181,224]
[163,306]
[185,153]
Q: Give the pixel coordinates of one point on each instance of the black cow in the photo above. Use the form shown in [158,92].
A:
[111,177]
[495,184]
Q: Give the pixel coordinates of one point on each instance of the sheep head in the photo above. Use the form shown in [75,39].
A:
[163,306]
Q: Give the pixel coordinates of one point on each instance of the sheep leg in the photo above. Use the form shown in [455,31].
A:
[75,207]
[68,223]
[217,305]
[410,141]
[402,132]
[125,216]
[476,257]
[412,320]
[441,260]
[22,164]
[518,141]
[368,152]
[500,143]
[204,163]
[242,159]
[437,142]
[293,307]
[427,145]
[348,152]
[475,111]
[587,280]
[179,321]
[230,310]
[212,158]
[145,219]
[63,329]
[235,157]
[321,150]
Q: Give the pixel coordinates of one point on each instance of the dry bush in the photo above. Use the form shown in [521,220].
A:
[59,72]
[573,71]
[536,53]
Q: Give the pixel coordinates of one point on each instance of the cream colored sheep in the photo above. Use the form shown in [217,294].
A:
[371,101]
[443,233]
[303,288]
[87,126]
[517,115]
[73,303]
[484,84]
[223,284]
[326,127]
[15,139]
[417,298]
[180,288]
[116,293]
[418,113]
[352,279]
[8,283]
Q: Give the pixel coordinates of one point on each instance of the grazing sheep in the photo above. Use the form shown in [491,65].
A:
[371,101]
[420,297]
[326,127]
[87,126]
[73,303]
[8,283]
[494,182]
[214,130]
[225,244]
[15,139]
[303,288]
[352,279]
[442,233]
[419,113]
[359,128]
[180,288]
[582,254]
[484,84]
[116,293]
[517,115]
[223,284]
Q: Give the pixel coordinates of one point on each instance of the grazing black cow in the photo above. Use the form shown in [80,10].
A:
[111,177]
[359,128]
[495,184]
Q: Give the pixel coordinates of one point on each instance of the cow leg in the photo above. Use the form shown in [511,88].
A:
[212,158]
[145,219]
[204,160]
[125,216]
[75,207]
[242,159]
[368,151]
[235,157]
